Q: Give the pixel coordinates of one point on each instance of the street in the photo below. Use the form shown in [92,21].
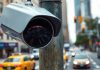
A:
[95,62]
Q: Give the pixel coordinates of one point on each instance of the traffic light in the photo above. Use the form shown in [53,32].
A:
[80,19]
[34,26]
[75,19]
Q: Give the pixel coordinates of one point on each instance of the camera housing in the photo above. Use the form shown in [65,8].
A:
[34,26]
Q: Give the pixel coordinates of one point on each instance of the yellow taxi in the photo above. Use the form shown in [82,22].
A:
[65,56]
[18,62]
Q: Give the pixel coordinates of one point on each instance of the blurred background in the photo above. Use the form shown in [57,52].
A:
[80,23]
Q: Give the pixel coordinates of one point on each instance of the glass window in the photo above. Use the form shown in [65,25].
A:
[8,37]
[1,7]
[12,60]
[26,58]
[11,1]
[1,36]
[81,57]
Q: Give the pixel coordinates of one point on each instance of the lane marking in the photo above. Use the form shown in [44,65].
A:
[97,66]
[65,65]
[93,62]
[68,64]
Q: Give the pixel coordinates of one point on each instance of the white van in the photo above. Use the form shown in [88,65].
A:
[35,54]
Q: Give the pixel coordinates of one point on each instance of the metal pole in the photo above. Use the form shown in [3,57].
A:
[97,19]
[54,6]
[51,57]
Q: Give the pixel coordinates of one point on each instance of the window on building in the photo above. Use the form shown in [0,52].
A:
[1,7]
[1,36]
[8,37]
[10,1]
[7,1]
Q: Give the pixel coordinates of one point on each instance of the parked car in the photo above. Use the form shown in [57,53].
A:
[35,54]
[18,62]
[81,61]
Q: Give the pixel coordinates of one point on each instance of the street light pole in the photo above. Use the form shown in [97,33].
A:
[51,57]
[98,28]
[97,21]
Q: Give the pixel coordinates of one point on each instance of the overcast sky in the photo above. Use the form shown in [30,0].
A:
[95,8]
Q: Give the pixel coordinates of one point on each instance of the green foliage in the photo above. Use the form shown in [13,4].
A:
[90,23]
[82,39]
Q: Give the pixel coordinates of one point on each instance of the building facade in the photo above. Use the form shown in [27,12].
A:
[78,11]
[8,45]
[87,8]
[64,21]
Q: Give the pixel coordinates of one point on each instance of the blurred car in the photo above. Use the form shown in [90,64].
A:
[72,51]
[66,46]
[35,54]
[65,56]
[82,48]
[13,54]
[18,62]
[81,61]
[73,54]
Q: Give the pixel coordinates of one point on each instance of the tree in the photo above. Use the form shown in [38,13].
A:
[82,39]
[90,23]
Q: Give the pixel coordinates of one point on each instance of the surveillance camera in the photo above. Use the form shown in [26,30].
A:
[33,25]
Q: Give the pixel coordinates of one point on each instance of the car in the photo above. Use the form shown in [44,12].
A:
[65,56]
[81,61]
[35,54]
[66,46]
[18,62]
[73,54]
[72,51]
